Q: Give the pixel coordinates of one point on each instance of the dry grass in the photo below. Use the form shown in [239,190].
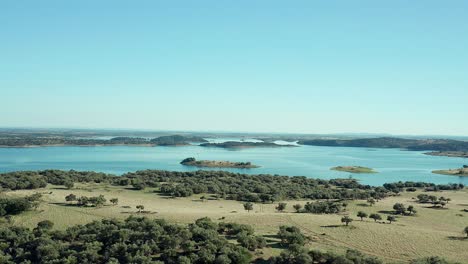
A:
[431,232]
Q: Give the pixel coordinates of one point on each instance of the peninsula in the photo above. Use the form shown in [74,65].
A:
[459,154]
[217,164]
[439,147]
[236,144]
[454,172]
[354,169]
[54,140]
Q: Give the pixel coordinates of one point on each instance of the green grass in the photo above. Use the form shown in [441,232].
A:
[431,232]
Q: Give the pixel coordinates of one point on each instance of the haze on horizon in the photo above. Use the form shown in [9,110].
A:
[398,67]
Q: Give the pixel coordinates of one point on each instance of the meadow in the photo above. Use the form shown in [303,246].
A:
[430,232]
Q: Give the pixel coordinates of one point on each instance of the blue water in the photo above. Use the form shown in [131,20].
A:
[311,161]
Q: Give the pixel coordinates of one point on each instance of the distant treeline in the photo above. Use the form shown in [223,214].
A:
[234,186]
[21,141]
[389,142]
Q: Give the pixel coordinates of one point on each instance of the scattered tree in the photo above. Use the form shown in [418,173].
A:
[375,217]
[399,208]
[297,207]
[114,201]
[346,220]
[361,215]
[248,206]
[391,218]
[281,207]
[69,184]
[70,198]
[140,208]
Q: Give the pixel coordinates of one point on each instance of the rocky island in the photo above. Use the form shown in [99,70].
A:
[217,164]
[454,172]
[354,169]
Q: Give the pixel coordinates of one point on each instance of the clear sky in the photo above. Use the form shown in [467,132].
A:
[264,66]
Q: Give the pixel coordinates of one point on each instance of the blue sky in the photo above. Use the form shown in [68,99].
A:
[396,67]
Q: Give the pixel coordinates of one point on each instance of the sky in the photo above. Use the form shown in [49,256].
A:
[398,67]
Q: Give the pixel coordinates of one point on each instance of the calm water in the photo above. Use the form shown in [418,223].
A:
[393,164]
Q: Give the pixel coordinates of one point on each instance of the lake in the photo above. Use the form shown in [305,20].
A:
[311,161]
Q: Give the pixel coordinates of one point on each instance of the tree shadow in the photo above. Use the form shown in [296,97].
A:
[458,238]
[66,204]
[387,212]
[436,207]
[363,204]
[331,226]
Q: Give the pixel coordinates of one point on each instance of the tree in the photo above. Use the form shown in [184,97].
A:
[466,231]
[281,207]
[202,198]
[346,220]
[361,214]
[114,201]
[411,209]
[97,200]
[371,201]
[138,185]
[375,217]
[399,208]
[45,225]
[248,206]
[68,184]
[140,208]
[70,198]
[297,207]
[391,218]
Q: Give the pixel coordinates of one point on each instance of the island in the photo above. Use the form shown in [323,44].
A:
[454,172]
[217,164]
[176,140]
[237,144]
[458,154]
[354,169]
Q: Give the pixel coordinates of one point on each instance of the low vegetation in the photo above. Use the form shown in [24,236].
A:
[217,164]
[453,172]
[354,169]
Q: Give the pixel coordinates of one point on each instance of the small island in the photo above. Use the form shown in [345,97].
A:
[244,144]
[458,154]
[354,169]
[217,164]
[454,172]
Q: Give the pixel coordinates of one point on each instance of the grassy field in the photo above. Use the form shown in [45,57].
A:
[431,232]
